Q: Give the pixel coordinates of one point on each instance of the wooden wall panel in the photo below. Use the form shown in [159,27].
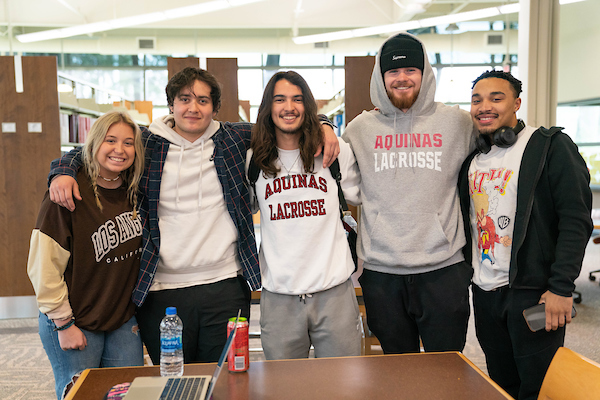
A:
[358,80]
[174,65]
[225,70]
[24,162]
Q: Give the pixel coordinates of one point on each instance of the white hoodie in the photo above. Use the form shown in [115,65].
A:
[198,237]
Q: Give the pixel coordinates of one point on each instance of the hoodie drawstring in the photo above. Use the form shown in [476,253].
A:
[200,178]
[179,173]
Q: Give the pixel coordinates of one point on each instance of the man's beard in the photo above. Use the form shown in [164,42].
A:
[487,132]
[290,131]
[404,102]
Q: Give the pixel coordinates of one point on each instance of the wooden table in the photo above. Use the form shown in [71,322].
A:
[410,376]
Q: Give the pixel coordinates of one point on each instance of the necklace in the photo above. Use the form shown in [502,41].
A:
[110,180]
[286,168]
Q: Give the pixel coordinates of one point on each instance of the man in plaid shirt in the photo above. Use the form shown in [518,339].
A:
[199,251]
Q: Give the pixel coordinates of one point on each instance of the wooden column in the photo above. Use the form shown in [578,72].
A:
[358,98]
[174,65]
[24,161]
[358,82]
[225,70]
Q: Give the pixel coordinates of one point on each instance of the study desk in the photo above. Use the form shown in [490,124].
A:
[410,376]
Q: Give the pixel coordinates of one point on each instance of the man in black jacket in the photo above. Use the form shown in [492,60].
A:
[526,204]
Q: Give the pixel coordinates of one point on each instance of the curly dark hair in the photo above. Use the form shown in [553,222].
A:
[264,143]
[186,78]
[507,76]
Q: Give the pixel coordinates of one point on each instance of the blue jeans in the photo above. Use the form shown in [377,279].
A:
[119,348]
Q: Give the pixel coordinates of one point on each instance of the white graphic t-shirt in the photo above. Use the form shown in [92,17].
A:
[493,179]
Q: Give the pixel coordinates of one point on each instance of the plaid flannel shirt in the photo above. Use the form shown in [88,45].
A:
[232,141]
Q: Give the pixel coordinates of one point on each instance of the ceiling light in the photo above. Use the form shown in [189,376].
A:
[452,27]
[181,12]
[404,26]
[422,23]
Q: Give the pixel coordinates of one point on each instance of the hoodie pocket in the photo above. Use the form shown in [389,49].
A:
[416,237]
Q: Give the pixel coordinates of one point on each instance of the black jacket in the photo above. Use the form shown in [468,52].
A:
[553,219]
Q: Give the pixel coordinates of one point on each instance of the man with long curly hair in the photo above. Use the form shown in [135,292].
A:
[307,297]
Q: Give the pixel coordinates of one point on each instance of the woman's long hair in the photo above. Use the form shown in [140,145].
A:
[132,175]
[264,143]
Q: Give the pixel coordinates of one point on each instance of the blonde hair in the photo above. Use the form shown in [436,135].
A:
[132,175]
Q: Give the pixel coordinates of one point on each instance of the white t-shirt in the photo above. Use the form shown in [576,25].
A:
[493,180]
[303,245]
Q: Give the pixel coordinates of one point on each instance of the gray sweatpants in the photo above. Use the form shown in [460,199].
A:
[329,320]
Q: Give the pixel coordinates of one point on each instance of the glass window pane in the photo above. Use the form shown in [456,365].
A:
[128,81]
[156,81]
[459,57]
[300,60]
[454,83]
[250,85]
[151,60]
[320,82]
[582,123]
[249,60]
[591,155]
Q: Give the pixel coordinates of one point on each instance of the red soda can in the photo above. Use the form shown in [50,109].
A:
[238,359]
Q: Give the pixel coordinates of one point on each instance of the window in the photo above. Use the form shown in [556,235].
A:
[582,124]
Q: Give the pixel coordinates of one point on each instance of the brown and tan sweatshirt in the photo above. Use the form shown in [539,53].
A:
[86,262]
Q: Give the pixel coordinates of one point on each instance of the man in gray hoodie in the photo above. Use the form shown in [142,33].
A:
[409,151]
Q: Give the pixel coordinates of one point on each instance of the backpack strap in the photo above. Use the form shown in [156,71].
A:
[352,236]
[253,172]
[337,175]
[551,131]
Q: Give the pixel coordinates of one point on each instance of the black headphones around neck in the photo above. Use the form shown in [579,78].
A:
[504,137]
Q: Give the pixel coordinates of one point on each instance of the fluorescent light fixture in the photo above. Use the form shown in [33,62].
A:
[510,8]
[174,13]
[359,32]
[404,26]
[422,23]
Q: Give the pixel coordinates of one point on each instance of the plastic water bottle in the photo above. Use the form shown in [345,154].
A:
[349,219]
[171,346]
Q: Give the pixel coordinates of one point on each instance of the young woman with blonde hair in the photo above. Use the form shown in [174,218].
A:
[83,265]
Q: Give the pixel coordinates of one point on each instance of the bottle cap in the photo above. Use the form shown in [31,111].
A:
[171,310]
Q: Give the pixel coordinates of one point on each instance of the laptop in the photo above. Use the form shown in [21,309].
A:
[192,387]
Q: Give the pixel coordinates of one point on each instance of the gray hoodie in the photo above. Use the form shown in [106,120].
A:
[409,162]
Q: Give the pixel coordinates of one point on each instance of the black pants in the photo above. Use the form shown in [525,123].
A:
[433,306]
[204,311]
[517,359]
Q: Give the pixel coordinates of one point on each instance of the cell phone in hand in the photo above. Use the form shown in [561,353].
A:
[536,316]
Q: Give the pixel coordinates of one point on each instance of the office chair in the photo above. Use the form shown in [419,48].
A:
[591,275]
[570,377]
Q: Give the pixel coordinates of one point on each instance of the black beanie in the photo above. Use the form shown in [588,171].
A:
[401,52]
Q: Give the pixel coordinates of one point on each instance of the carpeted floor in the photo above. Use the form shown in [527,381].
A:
[25,372]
